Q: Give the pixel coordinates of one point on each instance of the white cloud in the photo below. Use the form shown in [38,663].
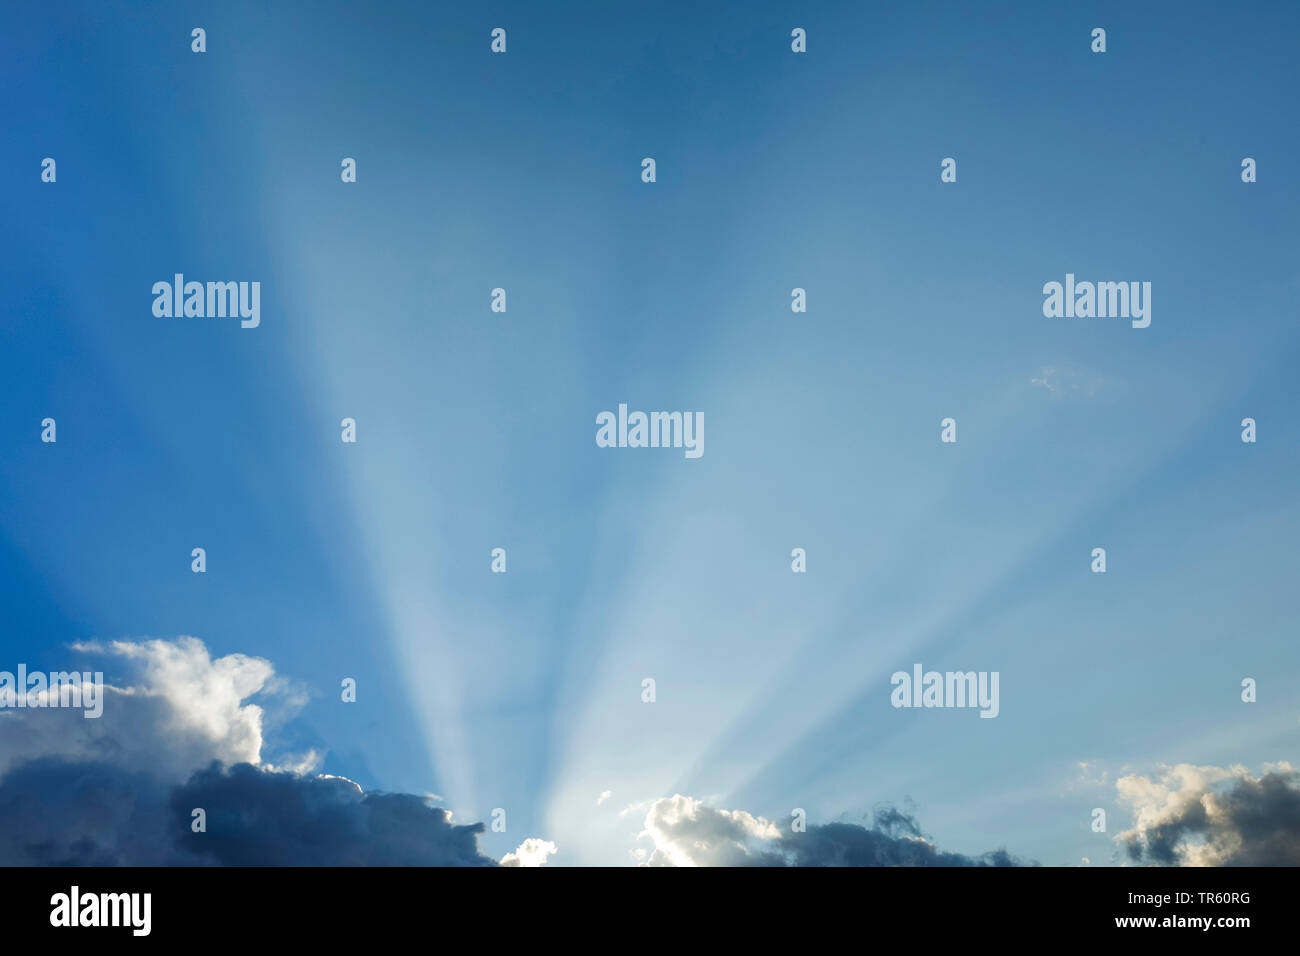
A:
[532,852]
[605,795]
[687,832]
[302,763]
[179,710]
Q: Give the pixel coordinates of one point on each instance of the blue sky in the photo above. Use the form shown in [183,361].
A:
[476,429]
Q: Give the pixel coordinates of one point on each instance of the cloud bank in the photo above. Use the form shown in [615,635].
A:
[184,732]
[685,831]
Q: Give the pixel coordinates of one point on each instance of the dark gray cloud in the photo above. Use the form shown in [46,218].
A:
[261,818]
[893,839]
[1254,821]
[56,812]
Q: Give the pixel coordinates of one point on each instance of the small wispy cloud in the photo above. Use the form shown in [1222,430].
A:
[1062,380]
[1087,775]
